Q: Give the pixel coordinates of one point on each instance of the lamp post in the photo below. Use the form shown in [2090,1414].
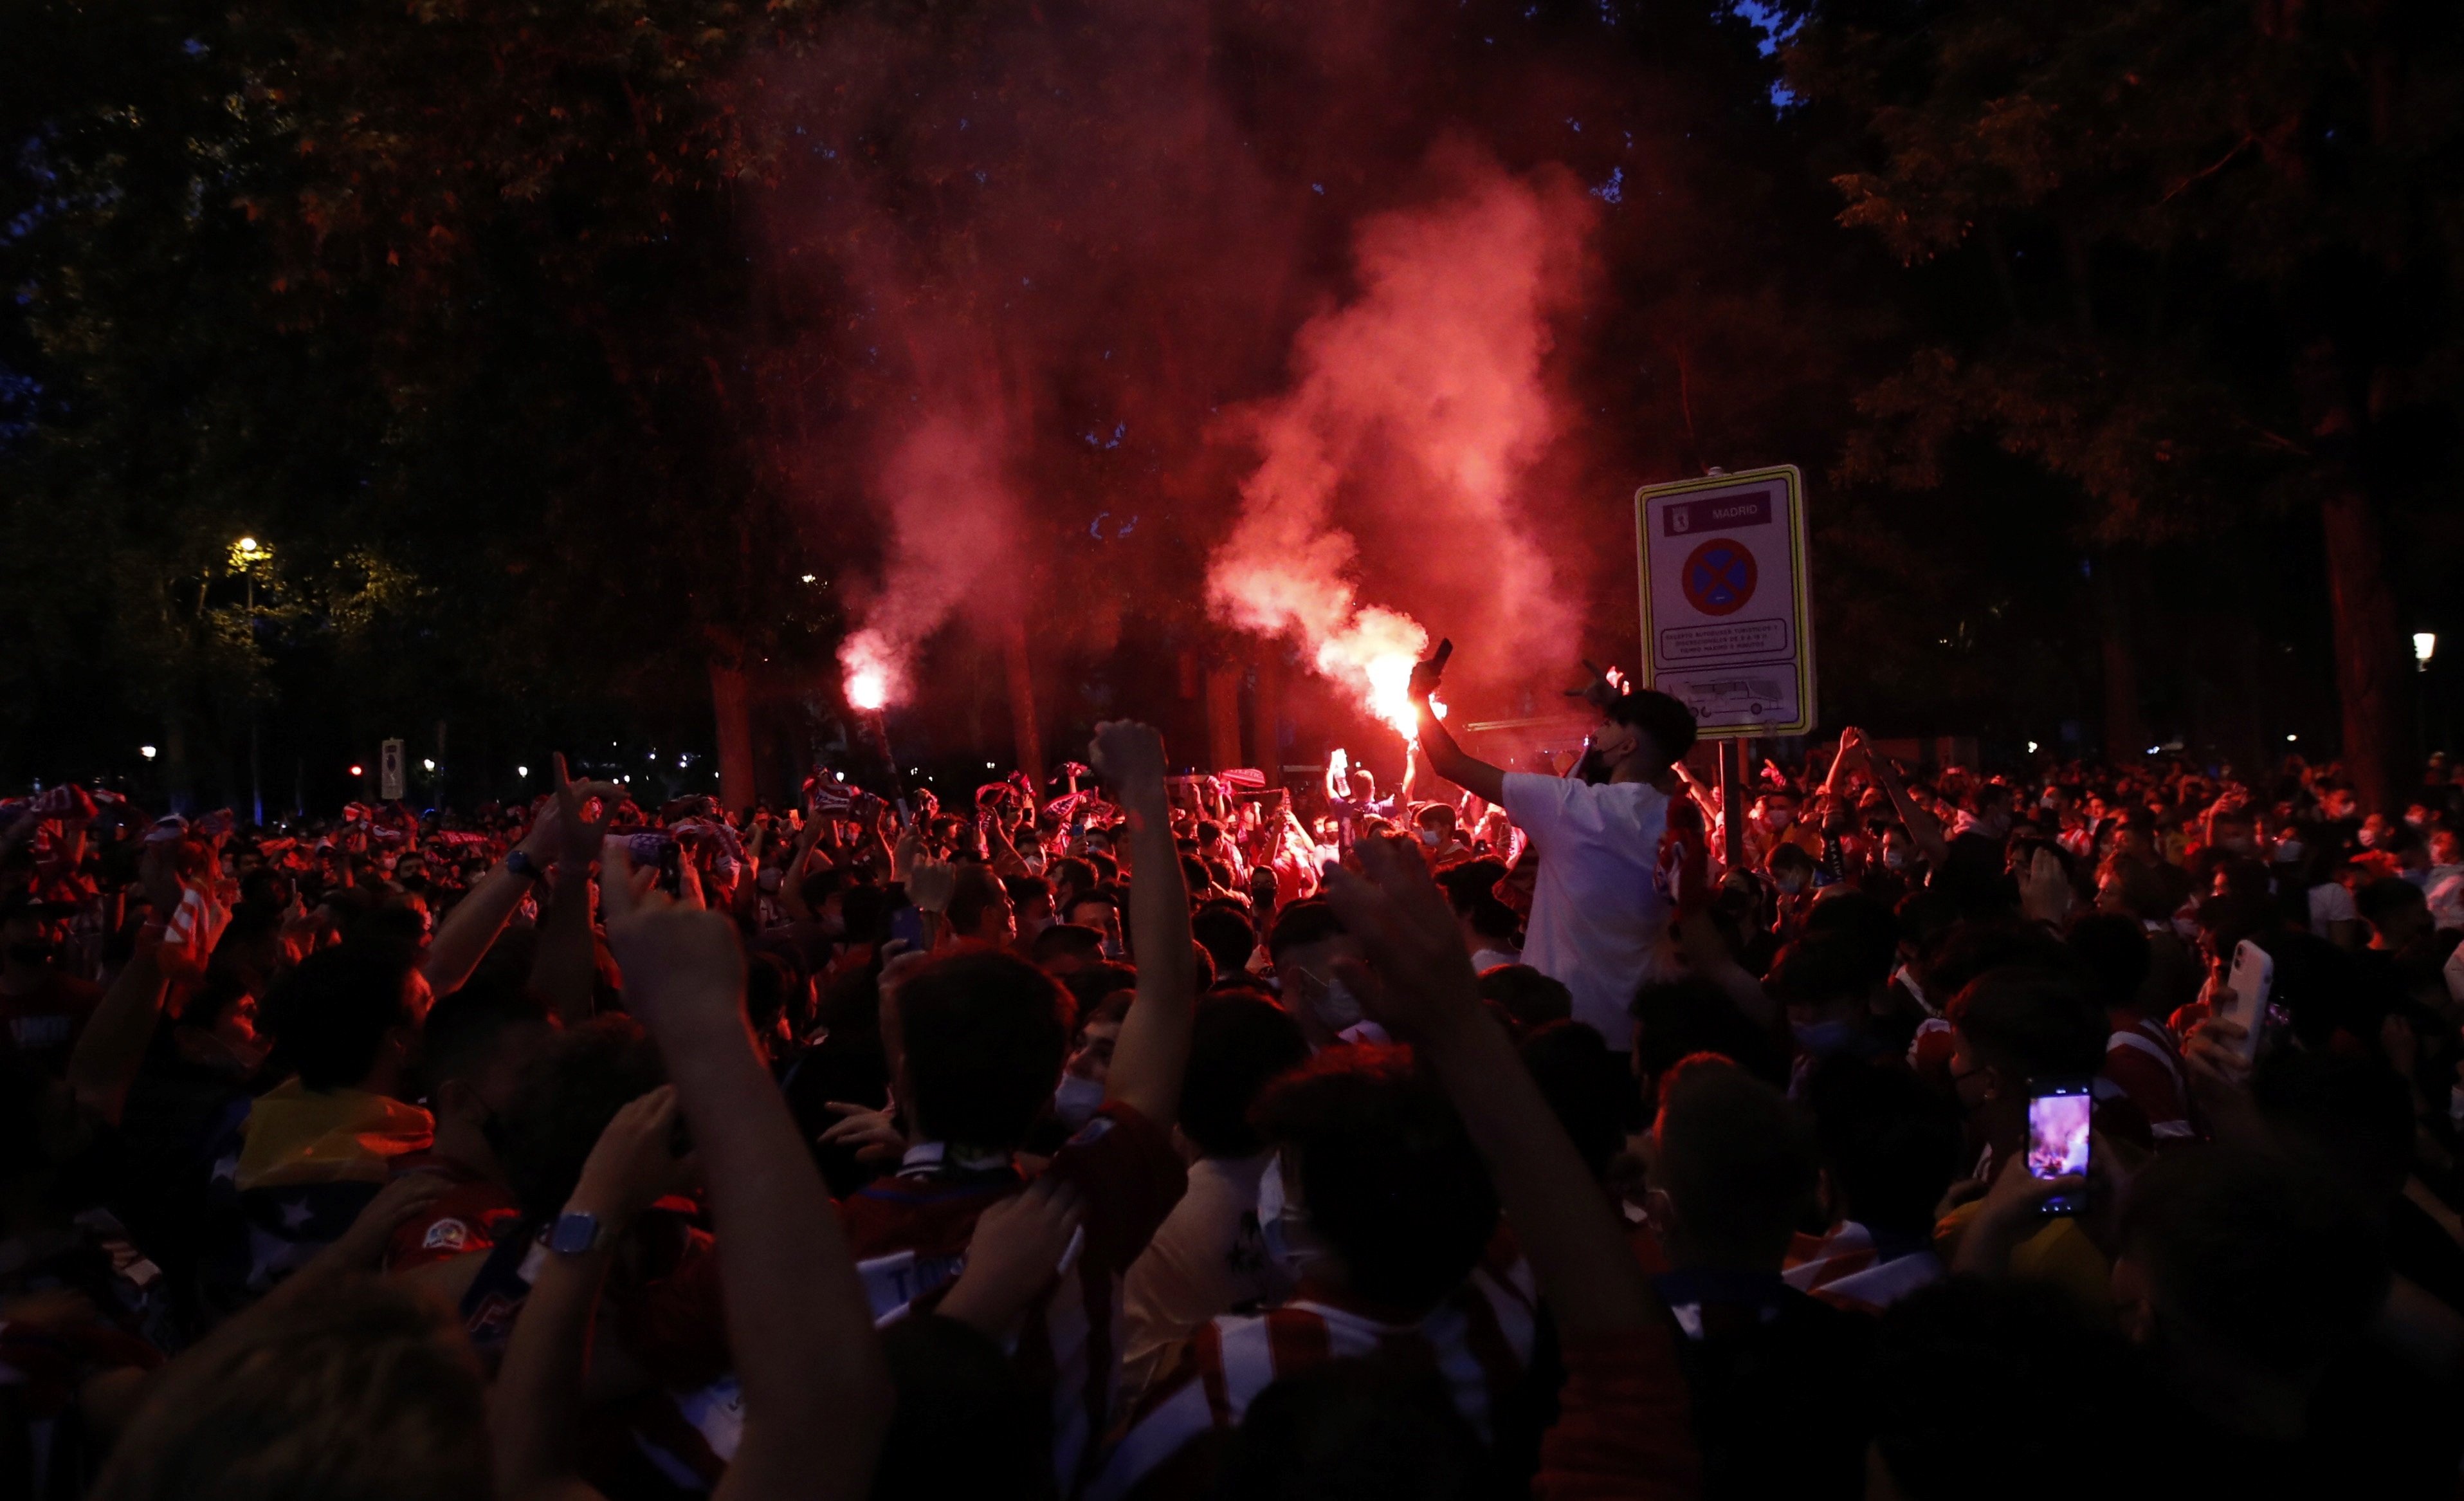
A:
[246,555]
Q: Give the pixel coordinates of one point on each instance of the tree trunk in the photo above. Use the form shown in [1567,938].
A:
[732,702]
[2369,653]
[1027,729]
[1267,721]
[2125,735]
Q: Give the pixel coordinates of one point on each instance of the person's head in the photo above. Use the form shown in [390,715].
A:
[1383,1194]
[570,1090]
[1527,999]
[359,1388]
[1643,733]
[1238,1044]
[1222,929]
[2233,832]
[2350,1116]
[1434,825]
[2009,1381]
[1072,879]
[1735,1164]
[2243,1270]
[977,1041]
[1304,942]
[1790,867]
[2017,1024]
[31,935]
[1099,909]
[1587,1085]
[348,1017]
[1066,948]
[980,906]
[1030,901]
[2113,949]
[2336,801]
[2446,848]
[966,1424]
[1900,853]
[1775,810]
[1889,1145]
[2396,910]
[1378,1428]
[1828,981]
[474,1051]
[1675,1019]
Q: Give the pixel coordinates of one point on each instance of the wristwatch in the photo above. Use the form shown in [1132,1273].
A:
[520,863]
[574,1233]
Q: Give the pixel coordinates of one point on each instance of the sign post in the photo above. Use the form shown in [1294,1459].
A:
[390,771]
[1728,623]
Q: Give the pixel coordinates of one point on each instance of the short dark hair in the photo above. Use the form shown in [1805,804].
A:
[1668,722]
[1588,1086]
[331,1014]
[1301,923]
[1225,932]
[971,895]
[985,1036]
[1238,1044]
[1887,1142]
[2269,1262]
[1736,1159]
[570,1094]
[1067,937]
[2031,1025]
[1941,1422]
[1529,997]
[462,1032]
[1389,1175]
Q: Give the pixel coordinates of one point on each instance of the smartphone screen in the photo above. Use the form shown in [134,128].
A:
[2252,976]
[2057,1136]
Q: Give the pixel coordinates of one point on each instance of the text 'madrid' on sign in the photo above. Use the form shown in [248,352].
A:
[1728,627]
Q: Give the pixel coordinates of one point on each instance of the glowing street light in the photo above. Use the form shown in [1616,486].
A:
[2424,642]
[426,764]
[358,770]
[147,751]
[521,771]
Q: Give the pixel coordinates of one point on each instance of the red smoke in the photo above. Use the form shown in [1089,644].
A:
[1145,321]
[1421,401]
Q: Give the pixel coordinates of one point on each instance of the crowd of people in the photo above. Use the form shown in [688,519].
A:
[1558,1133]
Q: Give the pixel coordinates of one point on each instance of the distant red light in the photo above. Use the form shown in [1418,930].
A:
[358,770]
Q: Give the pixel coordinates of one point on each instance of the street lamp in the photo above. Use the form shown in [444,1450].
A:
[147,751]
[2424,643]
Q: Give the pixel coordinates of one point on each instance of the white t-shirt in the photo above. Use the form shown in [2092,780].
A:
[2330,901]
[2445,890]
[1599,920]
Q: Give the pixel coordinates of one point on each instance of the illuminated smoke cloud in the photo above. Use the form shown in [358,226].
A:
[1417,409]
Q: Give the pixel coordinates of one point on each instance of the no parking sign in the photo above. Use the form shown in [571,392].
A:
[1727,627]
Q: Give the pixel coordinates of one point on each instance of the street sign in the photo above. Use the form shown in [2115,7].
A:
[1727,625]
[389,770]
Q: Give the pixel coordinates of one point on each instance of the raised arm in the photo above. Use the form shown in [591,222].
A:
[1922,826]
[1153,1049]
[113,1046]
[816,1395]
[1446,758]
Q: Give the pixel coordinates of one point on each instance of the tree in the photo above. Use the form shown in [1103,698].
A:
[2194,258]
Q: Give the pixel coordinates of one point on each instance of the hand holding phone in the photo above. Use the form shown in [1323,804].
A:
[2059,1114]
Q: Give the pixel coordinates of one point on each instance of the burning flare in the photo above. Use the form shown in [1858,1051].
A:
[871,670]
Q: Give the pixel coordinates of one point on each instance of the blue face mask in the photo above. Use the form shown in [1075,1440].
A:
[1824,1039]
[1077,1100]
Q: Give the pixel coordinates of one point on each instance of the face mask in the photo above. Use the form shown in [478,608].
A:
[1896,859]
[35,953]
[771,880]
[1289,1241]
[1338,1008]
[1430,837]
[1824,1039]
[1077,1099]
[2287,849]
[1792,884]
[1780,820]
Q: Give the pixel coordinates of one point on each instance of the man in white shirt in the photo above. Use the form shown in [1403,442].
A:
[1600,911]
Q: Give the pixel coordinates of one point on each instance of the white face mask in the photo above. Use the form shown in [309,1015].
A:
[1431,837]
[1077,1099]
[1338,1008]
[1896,859]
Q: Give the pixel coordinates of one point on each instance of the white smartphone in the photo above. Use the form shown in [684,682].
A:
[2251,979]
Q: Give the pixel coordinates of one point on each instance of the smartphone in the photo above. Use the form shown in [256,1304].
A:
[2251,979]
[2058,1114]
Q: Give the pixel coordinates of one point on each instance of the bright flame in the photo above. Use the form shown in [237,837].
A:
[872,670]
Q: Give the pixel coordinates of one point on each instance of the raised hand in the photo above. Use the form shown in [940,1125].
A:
[683,966]
[634,1164]
[2044,891]
[575,836]
[1418,978]
[1128,756]
[871,1134]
